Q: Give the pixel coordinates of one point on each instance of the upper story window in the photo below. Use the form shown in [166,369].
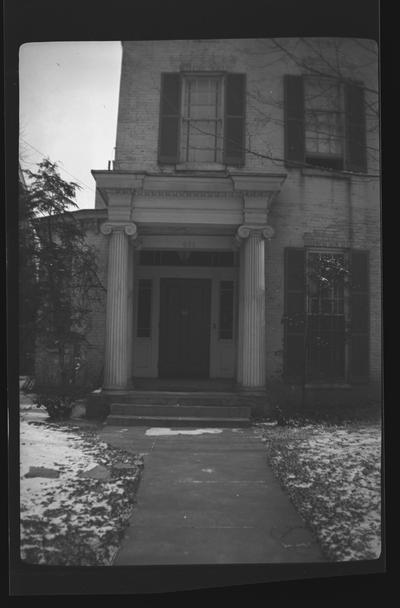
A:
[202,118]
[324,123]
[201,125]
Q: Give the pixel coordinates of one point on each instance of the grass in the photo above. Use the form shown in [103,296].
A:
[73,520]
[332,473]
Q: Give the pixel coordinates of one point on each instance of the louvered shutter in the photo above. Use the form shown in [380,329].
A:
[294,119]
[294,314]
[234,124]
[359,325]
[170,113]
[356,153]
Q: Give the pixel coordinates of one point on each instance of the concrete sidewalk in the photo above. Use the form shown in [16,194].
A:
[209,499]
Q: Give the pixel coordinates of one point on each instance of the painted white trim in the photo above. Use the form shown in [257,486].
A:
[193,242]
[221,351]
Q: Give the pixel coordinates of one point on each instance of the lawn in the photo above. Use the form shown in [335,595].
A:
[76,493]
[332,474]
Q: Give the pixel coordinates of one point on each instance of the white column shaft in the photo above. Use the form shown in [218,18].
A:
[116,346]
[239,373]
[253,327]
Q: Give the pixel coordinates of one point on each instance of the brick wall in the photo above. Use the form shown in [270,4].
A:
[322,212]
[144,61]
[312,208]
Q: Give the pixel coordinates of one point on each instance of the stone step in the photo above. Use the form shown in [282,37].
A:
[187,398]
[176,421]
[197,411]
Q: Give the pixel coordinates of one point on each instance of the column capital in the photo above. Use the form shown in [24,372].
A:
[246,230]
[129,228]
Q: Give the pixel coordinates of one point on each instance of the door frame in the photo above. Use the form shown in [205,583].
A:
[145,350]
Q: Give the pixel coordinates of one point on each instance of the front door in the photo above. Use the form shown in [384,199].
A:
[184,349]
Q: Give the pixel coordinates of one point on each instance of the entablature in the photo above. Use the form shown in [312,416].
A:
[230,199]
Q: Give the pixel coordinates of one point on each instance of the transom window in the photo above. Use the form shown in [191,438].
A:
[202,120]
[186,257]
[324,122]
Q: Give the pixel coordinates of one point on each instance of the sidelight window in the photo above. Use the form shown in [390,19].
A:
[144,308]
[226,310]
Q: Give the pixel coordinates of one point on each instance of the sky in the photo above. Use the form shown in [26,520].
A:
[68,108]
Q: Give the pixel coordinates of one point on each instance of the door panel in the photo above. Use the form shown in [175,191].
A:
[184,328]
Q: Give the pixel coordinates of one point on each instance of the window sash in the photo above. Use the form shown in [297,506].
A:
[327,314]
[324,118]
[201,123]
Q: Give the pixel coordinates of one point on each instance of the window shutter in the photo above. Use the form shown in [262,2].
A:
[294,315]
[359,341]
[356,157]
[234,127]
[170,111]
[294,119]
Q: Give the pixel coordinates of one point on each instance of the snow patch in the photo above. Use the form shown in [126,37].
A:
[159,431]
[333,477]
[70,520]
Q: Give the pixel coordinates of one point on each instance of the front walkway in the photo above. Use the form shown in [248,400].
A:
[209,499]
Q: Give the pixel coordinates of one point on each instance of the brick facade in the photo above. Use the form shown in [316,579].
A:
[314,208]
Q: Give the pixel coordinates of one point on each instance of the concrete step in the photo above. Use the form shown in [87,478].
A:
[186,398]
[176,421]
[197,411]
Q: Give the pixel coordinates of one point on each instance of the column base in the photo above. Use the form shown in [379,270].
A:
[114,391]
[252,390]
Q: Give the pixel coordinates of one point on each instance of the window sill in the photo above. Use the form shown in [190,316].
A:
[200,167]
[324,173]
[317,386]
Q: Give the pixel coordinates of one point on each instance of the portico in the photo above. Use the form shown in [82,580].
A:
[186,276]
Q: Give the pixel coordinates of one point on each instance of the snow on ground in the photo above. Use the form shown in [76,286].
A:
[72,520]
[333,476]
[159,431]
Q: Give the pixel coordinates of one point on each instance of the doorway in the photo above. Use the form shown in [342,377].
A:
[184,338]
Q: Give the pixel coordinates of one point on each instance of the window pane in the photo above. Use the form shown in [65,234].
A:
[324,120]
[202,124]
[144,308]
[226,310]
[187,258]
[322,94]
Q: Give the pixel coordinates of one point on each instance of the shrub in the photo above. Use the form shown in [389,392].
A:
[58,408]
[59,402]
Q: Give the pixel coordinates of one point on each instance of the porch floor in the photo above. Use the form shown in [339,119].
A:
[185,384]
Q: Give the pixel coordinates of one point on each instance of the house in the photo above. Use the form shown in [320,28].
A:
[246,174]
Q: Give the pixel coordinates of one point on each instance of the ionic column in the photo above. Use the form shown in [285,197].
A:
[239,373]
[252,316]
[116,340]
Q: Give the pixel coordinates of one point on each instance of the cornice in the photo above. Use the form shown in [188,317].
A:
[189,186]
[188,193]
